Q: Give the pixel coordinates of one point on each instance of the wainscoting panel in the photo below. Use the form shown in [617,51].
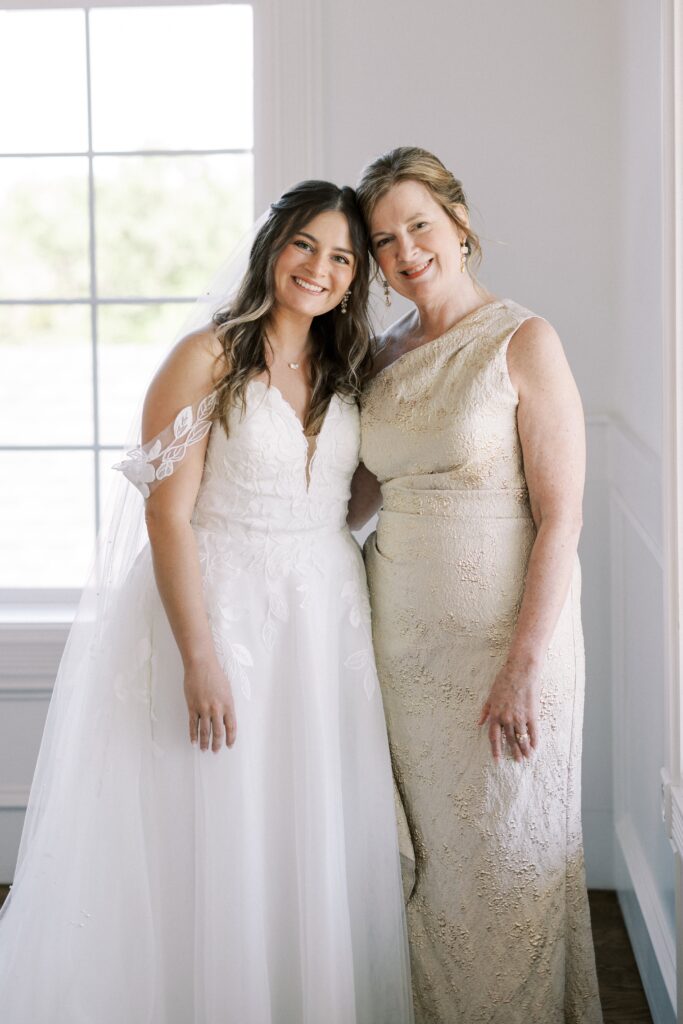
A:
[643,856]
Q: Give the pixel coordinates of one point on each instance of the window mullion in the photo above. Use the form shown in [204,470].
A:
[93,276]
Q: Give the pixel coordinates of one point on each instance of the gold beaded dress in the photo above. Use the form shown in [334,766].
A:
[498,918]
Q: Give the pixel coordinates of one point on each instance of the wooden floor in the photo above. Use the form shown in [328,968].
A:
[623,999]
[621,993]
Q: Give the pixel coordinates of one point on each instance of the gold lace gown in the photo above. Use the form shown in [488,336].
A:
[498,919]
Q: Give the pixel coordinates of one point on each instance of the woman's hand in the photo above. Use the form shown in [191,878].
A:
[512,710]
[210,704]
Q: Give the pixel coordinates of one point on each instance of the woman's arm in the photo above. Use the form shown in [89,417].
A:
[185,377]
[551,430]
[366,498]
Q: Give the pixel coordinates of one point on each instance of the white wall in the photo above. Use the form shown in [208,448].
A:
[522,102]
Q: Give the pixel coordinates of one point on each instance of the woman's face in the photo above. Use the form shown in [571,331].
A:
[316,266]
[416,243]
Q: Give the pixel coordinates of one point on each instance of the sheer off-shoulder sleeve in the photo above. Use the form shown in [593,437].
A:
[148,464]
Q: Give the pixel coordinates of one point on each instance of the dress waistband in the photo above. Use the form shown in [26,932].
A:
[493,504]
[220,522]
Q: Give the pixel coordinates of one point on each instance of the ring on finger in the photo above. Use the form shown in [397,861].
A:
[521,737]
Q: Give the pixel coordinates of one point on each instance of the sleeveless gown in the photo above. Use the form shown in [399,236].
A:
[257,885]
[498,920]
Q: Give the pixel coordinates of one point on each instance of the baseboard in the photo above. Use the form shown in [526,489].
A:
[653,942]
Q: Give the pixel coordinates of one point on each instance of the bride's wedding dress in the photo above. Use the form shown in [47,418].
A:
[158,884]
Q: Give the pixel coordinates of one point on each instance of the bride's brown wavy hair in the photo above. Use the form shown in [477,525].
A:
[341,357]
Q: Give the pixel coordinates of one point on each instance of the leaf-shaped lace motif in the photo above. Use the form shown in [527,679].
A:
[149,464]
[356,599]
[182,422]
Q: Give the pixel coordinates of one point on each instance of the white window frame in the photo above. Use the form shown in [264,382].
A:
[287,147]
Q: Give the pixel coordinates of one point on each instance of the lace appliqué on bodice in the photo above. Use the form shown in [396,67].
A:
[271,507]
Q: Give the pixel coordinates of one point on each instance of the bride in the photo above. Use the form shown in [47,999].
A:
[211,837]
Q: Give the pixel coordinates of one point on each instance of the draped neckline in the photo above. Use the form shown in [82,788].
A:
[453,329]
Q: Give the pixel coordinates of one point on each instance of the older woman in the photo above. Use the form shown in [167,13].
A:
[473,444]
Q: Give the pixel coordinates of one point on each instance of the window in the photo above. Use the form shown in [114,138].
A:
[126,176]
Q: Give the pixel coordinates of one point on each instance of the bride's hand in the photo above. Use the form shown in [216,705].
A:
[210,705]
[512,710]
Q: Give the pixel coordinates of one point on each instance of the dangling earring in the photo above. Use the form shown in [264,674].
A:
[387,296]
[464,253]
[345,301]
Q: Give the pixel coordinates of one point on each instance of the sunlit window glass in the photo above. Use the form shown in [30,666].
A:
[126,177]
[187,81]
[43,87]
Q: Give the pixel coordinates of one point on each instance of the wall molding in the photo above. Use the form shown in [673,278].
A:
[635,474]
[656,930]
[288,94]
[636,524]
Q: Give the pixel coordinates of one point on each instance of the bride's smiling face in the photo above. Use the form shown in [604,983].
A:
[316,266]
[415,243]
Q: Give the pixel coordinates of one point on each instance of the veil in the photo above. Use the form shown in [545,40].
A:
[101,711]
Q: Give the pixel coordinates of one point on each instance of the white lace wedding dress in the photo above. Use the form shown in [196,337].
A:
[158,884]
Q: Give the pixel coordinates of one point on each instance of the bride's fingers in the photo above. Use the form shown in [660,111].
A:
[204,732]
[230,728]
[194,733]
[217,733]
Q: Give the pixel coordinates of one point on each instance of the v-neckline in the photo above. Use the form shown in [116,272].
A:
[311,451]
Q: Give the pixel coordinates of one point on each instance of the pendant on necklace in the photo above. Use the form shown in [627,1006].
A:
[293,366]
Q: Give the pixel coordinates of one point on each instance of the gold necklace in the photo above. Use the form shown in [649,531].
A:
[293,365]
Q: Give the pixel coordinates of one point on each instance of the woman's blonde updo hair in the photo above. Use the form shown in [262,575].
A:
[410,163]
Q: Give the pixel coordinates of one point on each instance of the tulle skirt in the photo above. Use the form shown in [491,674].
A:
[158,884]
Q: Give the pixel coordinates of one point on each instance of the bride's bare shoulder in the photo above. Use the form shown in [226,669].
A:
[190,371]
[389,344]
[194,361]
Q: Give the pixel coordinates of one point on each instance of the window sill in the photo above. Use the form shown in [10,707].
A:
[25,616]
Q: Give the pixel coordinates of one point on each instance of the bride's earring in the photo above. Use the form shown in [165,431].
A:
[387,296]
[345,301]
[464,253]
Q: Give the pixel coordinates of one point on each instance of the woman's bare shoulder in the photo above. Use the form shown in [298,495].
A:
[190,371]
[193,360]
[535,345]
